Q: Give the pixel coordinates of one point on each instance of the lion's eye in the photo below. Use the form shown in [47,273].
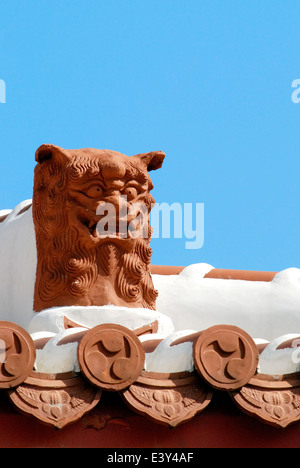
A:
[94,191]
[130,193]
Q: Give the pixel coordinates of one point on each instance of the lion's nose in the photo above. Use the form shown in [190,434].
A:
[113,202]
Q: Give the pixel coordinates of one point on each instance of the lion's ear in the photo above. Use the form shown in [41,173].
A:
[153,160]
[47,151]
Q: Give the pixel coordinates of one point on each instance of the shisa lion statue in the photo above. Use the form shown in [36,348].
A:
[77,262]
[90,212]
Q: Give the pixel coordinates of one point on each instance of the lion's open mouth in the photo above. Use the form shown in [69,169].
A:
[87,221]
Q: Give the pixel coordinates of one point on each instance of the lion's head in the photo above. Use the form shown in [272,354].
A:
[91,212]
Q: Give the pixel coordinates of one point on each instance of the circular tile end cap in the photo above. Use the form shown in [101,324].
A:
[226,357]
[17,355]
[111,357]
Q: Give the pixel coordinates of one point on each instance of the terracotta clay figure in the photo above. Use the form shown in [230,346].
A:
[74,192]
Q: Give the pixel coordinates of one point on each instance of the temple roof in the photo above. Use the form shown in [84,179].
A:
[172,371]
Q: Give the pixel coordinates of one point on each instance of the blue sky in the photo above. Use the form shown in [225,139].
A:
[207,82]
